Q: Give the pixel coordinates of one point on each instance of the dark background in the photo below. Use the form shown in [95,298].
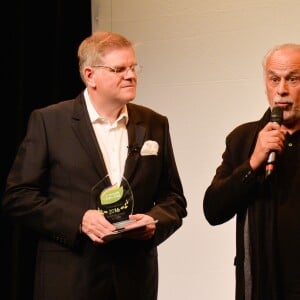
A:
[39,63]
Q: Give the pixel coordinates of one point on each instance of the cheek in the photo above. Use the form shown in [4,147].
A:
[297,99]
[109,86]
[270,90]
[297,93]
[294,94]
[271,95]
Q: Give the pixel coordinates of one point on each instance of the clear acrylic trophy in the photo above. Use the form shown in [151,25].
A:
[114,201]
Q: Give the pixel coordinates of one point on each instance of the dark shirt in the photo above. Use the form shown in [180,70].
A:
[287,181]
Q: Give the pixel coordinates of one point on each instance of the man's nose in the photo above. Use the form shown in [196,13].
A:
[282,88]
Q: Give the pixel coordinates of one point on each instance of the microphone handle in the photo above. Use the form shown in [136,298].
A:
[270,163]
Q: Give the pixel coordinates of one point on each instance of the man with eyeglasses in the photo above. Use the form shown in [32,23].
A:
[70,148]
[258,182]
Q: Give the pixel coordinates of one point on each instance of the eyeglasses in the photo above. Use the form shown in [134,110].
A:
[121,71]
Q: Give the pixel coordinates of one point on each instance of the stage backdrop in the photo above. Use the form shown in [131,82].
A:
[202,68]
[39,67]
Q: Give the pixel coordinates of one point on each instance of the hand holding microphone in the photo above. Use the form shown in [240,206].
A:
[269,142]
[277,117]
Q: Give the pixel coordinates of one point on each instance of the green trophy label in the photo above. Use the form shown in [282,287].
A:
[111,195]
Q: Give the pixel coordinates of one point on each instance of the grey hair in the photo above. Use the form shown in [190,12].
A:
[292,46]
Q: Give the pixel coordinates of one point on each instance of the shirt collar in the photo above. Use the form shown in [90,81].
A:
[94,116]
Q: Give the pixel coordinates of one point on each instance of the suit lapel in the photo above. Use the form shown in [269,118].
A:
[83,129]
[136,137]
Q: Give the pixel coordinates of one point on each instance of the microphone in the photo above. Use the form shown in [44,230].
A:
[276,116]
[133,149]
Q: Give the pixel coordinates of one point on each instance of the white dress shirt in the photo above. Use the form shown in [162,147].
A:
[112,139]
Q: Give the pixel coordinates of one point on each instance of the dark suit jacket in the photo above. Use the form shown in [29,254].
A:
[234,187]
[271,206]
[48,190]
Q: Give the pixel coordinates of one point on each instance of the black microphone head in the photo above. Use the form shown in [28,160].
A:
[277,115]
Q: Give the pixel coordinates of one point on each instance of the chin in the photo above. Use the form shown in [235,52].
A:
[129,97]
[125,101]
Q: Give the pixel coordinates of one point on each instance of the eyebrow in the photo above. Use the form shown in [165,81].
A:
[293,72]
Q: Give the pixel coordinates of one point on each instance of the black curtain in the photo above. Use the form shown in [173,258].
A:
[39,64]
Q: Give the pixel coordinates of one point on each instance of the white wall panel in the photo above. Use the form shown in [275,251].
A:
[203,70]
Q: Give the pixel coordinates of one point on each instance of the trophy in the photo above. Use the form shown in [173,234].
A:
[115,202]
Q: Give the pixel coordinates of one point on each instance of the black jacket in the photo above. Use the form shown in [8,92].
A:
[49,189]
[236,190]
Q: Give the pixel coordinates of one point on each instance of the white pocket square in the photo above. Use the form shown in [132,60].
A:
[150,148]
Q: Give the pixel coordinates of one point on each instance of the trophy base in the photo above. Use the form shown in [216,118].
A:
[121,232]
[121,224]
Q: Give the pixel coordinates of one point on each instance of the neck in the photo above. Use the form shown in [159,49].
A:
[291,129]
